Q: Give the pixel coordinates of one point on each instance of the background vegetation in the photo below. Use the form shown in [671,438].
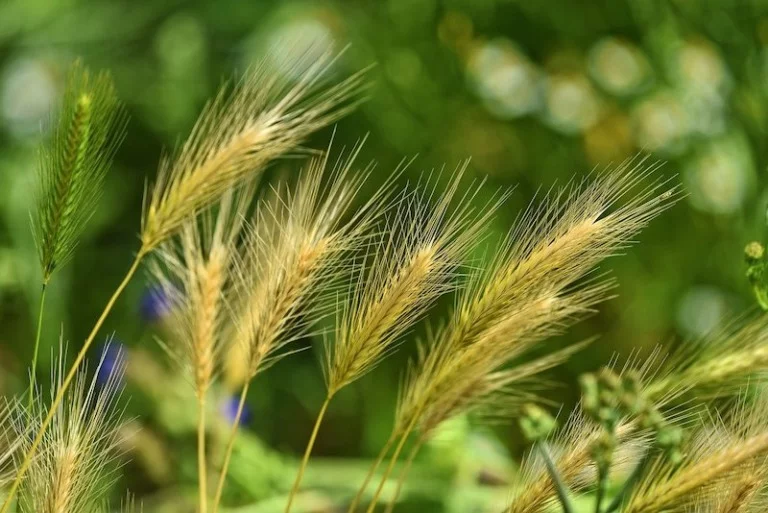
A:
[535,92]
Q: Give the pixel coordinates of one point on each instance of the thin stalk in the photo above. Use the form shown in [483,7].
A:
[560,488]
[602,486]
[372,471]
[202,465]
[230,446]
[33,371]
[67,381]
[307,453]
[404,474]
[633,478]
[391,465]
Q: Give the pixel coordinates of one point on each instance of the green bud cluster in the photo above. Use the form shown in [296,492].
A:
[536,423]
[757,272]
[608,397]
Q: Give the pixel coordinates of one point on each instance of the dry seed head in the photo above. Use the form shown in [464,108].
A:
[415,263]
[292,258]
[722,364]
[73,162]
[238,134]
[529,291]
[722,449]
[195,272]
[75,466]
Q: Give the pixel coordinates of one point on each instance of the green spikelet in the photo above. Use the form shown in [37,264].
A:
[73,162]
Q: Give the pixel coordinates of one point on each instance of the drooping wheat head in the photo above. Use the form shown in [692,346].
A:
[529,292]
[73,161]
[239,133]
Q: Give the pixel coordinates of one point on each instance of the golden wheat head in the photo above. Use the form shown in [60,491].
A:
[413,265]
[239,133]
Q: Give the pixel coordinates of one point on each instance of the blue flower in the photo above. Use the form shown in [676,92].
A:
[156,302]
[111,363]
[228,410]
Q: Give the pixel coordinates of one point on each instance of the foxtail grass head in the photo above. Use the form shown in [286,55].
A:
[239,133]
[293,258]
[73,161]
[197,274]
[75,466]
[529,291]
[417,261]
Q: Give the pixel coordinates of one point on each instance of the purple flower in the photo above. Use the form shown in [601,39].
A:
[156,302]
[111,363]
[228,410]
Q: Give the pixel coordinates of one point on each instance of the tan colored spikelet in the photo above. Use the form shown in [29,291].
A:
[293,257]
[238,134]
[75,468]
[528,292]
[721,364]
[741,493]
[415,264]
[195,272]
[719,451]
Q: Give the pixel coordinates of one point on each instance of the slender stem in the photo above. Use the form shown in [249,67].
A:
[633,478]
[202,465]
[230,446]
[560,488]
[602,486]
[372,471]
[391,465]
[404,474]
[67,381]
[307,453]
[33,371]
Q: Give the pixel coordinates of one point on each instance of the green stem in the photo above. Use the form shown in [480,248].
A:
[202,465]
[307,453]
[230,446]
[372,471]
[391,465]
[403,475]
[629,484]
[33,371]
[560,488]
[27,461]
[602,486]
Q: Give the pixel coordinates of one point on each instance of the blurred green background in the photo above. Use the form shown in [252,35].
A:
[535,92]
